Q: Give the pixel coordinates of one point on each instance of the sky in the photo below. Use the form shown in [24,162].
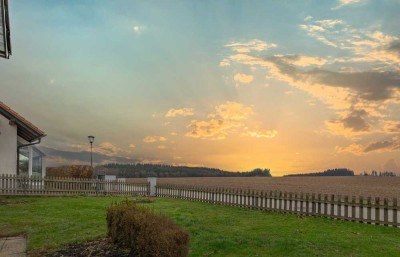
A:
[293,86]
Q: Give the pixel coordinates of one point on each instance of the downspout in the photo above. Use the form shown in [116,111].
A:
[20,146]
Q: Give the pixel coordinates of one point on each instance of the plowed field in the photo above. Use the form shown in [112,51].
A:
[388,187]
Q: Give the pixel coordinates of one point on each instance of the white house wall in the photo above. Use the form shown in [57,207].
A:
[8,147]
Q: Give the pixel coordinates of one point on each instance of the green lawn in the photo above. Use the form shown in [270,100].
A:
[215,230]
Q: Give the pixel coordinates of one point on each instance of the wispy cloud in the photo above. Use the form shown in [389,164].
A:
[307,18]
[261,133]
[243,78]
[253,45]
[224,63]
[104,148]
[153,139]
[343,3]
[226,117]
[179,112]
[57,157]
[302,60]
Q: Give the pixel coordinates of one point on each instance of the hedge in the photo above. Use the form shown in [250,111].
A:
[145,233]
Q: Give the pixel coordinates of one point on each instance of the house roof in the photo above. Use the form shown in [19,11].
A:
[25,129]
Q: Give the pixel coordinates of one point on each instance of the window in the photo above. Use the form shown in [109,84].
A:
[23,161]
[36,162]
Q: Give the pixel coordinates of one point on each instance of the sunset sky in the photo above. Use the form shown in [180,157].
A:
[294,86]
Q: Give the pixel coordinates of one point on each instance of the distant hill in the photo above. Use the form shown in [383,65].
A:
[329,172]
[141,170]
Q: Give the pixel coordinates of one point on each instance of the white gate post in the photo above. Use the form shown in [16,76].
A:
[153,182]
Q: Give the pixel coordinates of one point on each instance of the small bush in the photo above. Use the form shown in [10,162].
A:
[145,233]
[73,171]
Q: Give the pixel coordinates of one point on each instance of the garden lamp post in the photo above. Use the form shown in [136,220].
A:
[91,139]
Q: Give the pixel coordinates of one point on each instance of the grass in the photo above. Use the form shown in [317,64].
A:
[215,230]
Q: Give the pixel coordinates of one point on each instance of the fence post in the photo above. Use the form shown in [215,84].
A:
[353,208]
[394,212]
[377,210]
[369,203]
[313,205]
[332,206]
[386,212]
[361,209]
[285,201]
[301,203]
[307,204]
[319,205]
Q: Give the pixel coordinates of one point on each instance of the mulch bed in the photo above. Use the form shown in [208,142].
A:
[101,247]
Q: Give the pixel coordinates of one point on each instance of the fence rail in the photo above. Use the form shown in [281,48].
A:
[23,185]
[357,209]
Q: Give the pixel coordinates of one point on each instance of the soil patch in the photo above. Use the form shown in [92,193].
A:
[101,247]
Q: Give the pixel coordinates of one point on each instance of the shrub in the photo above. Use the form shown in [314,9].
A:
[145,233]
[74,171]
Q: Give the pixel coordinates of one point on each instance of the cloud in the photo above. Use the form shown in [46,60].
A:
[262,133]
[352,123]
[153,139]
[364,45]
[253,45]
[174,134]
[227,116]
[356,149]
[313,31]
[388,145]
[358,96]
[369,85]
[57,157]
[132,145]
[213,128]
[243,78]
[312,28]
[383,146]
[161,147]
[302,60]
[182,112]
[307,18]
[329,23]
[108,149]
[394,46]
[224,63]
[337,88]
[105,148]
[233,111]
[347,2]
[391,126]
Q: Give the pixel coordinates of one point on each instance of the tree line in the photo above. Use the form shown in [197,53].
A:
[374,173]
[142,170]
[329,172]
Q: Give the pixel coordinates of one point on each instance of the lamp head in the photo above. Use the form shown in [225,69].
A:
[91,139]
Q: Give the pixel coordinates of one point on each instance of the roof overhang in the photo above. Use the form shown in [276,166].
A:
[25,129]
